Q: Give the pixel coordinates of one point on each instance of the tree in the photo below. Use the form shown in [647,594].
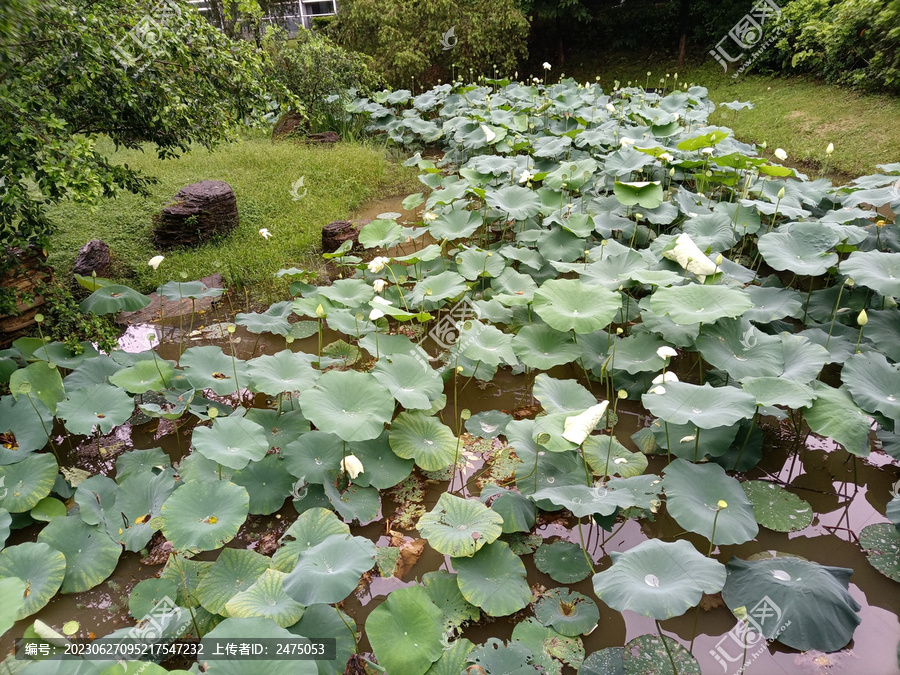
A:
[72,71]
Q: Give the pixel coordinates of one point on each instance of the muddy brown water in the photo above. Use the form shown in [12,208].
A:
[845,499]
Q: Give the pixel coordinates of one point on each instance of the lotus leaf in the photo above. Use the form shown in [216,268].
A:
[563,561]
[569,304]
[412,381]
[874,383]
[881,544]
[515,509]
[703,406]
[494,579]
[232,441]
[268,483]
[27,482]
[351,405]
[877,270]
[91,556]
[567,612]
[114,298]
[696,303]
[405,631]
[204,516]
[329,570]
[431,444]
[40,567]
[256,629]
[444,592]
[459,527]
[102,406]
[210,368]
[284,371]
[777,509]
[44,381]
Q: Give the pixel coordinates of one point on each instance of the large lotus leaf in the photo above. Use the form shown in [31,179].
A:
[114,298]
[514,288]
[210,368]
[436,288]
[27,482]
[834,414]
[380,232]
[488,424]
[567,612]
[650,655]
[405,631]
[694,493]
[231,441]
[284,371]
[513,507]
[805,249]
[803,358]
[551,650]
[777,509]
[204,516]
[102,406]
[455,224]
[431,444]
[560,245]
[874,269]
[151,375]
[603,500]
[802,604]
[273,320]
[266,598]
[268,483]
[351,293]
[494,579]
[91,556]
[742,351]
[443,590]
[177,290]
[12,599]
[607,457]
[41,380]
[474,263]
[637,354]
[645,194]
[256,629]
[138,496]
[558,396]
[313,527]
[518,202]
[569,304]
[330,570]
[353,503]
[147,593]
[563,561]
[351,405]
[486,344]
[134,462]
[513,658]
[696,303]
[712,231]
[325,621]
[614,271]
[703,406]
[40,567]
[235,570]
[882,329]
[874,383]
[459,527]
[658,579]
[412,381]
[881,544]
[29,421]
[770,391]
[383,469]
[771,303]
[687,441]
[313,455]
[94,496]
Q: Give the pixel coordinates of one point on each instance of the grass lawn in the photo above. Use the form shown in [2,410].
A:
[337,180]
[798,114]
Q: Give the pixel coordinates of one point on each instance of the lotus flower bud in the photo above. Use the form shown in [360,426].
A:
[352,466]
[781,193]
[722,504]
[320,312]
[862,319]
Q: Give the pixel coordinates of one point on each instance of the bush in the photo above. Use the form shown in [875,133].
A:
[410,40]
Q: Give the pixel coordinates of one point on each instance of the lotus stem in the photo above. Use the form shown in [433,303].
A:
[181,319]
[668,444]
[696,443]
[746,438]
[584,549]
[44,427]
[665,644]
[187,596]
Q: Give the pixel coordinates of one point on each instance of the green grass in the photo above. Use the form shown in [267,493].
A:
[799,114]
[338,179]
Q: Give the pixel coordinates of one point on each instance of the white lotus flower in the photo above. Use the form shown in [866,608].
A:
[352,466]
[658,389]
[546,65]
[375,314]
[667,157]
[626,142]
[688,439]
[526,176]
[662,378]
[429,216]
[578,427]
[379,285]
[610,107]
[381,301]
[377,264]
[488,134]
[666,352]
[155,261]
[687,254]
[264,233]
[780,154]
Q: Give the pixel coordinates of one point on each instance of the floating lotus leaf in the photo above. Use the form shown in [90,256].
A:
[204,516]
[405,631]
[877,270]
[273,320]
[834,414]
[603,500]
[134,462]
[433,290]
[30,424]
[330,570]
[234,571]
[231,441]
[27,482]
[557,396]
[563,561]
[210,368]
[551,650]
[693,496]
[313,456]
[114,298]
[777,509]
[805,249]
[696,303]
[567,612]
[874,383]
[284,371]
[268,483]
[455,224]
[648,195]
[147,593]
[517,202]
[91,556]
[512,658]
[741,350]
[325,621]
[658,579]
[607,457]
[542,347]
[12,600]
[143,376]
[380,233]
[102,406]
[40,567]
[351,405]
[44,380]
[703,406]
[605,662]
[177,290]
[383,469]
[351,293]
[650,655]
[459,527]
[256,629]
[266,598]
[516,510]
[494,579]
[881,544]
[802,604]
[443,590]
[488,424]
[569,304]
[431,444]
[485,344]
[353,503]
[454,659]
[411,381]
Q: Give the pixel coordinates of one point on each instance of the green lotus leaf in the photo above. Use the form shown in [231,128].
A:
[777,509]
[513,658]
[91,556]
[874,383]
[603,500]
[488,424]
[882,327]
[143,376]
[688,441]
[516,510]
[231,441]
[877,270]
[771,303]
[210,368]
[694,496]
[405,631]
[45,383]
[648,195]
[514,288]
[834,414]
[459,527]
[569,304]
[12,600]
[114,298]
[383,469]
[433,290]
[380,233]
[330,570]
[567,612]
[802,604]
[312,528]
[542,347]
[881,544]
[607,662]
[494,579]
[805,249]
[204,516]
[485,344]
[650,654]
[742,351]
[30,422]
[351,293]
[102,406]
[5,521]
[703,406]
[148,593]
[313,456]
[177,290]
[268,483]
[696,303]
[234,571]
[266,598]
[138,496]
[517,202]
[350,405]
[27,482]
[563,561]
[414,383]
[475,263]
[443,589]
[711,231]
[273,320]
[345,321]
[558,396]
[551,650]
[658,579]
[353,503]
[284,371]
[607,457]
[431,444]
[325,621]
[256,629]
[454,659]
[94,496]
[134,462]
[455,224]
[40,567]
[778,391]
[47,509]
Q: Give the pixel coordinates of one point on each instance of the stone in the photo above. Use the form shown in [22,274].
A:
[324,138]
[291,123]
[200,213]
[336,233]
[93,257]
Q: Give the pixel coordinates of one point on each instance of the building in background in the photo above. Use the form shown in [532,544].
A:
[288,14]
